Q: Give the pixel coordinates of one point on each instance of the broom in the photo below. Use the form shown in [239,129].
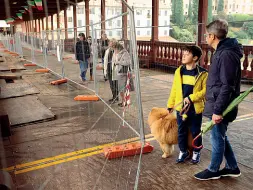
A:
[209,125]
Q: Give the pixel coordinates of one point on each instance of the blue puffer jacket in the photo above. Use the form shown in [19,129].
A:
[224,77]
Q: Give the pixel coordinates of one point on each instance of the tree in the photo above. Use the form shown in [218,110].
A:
[248,28]
[173,10]
[220,6]
[195,7]
[179,12]
[210,15]
[190,10]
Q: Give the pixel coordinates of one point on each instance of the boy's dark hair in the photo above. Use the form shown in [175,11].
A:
[219,28]
[82,34]
[195,50]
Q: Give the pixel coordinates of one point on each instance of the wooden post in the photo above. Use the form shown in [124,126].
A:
[52,22]
[102,17]
[39,25]
[154,37]
[124,22]
[87,17]
[47,23]
[66,23]
[202,20]
[42,20]
[58,20]
[75,21]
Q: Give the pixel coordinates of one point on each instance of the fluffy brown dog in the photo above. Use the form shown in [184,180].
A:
[165,130]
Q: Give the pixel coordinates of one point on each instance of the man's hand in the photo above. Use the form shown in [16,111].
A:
[76,61]
[187,101]
[217,118]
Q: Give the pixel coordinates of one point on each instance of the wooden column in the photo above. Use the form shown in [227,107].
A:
[66,23]
[202,20]
[42,23]
[124,22]
[87,17]
[154,37]
[74,21]
[52,22]
[35,25]
[47,23]
[102,17]
[39,25]
[58,20]
[155,15]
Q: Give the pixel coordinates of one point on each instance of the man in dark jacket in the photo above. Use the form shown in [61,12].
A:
[223,86]
[82,55]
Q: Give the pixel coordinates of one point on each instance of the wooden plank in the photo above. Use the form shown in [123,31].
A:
[4,68]
[26,109]
[8,75]
[13,90]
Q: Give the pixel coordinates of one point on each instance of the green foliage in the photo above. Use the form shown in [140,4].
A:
[248,28]
[173,10]
[190,10]
[220,6]
[195,6]
[237,20]
[231,34]
[179,13]
[241,35]
[182,35]
[210,15]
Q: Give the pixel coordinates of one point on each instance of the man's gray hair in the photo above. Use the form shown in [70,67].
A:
[219,28]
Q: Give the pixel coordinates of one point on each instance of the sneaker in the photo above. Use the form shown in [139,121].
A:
[182,156]
[207,175]
[225,172]
[195,157]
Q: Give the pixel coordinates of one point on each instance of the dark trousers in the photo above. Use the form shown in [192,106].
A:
[91,69]
[192,123]
[113,86]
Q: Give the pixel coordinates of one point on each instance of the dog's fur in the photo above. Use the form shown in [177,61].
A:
[164,127]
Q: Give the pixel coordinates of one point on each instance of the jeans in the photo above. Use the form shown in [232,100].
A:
[192,123]
[83,68]
[221,147]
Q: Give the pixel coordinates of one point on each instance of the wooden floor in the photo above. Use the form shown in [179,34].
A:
[82,125]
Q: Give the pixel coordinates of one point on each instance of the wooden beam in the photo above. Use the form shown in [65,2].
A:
[155,16]
[66,23]
[102,17]
[202,20]
[75,21]
[47,23]
[58,20]
[124,22]
[87,17]
[52,22]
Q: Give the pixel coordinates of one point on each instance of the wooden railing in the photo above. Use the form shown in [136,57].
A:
[170,54]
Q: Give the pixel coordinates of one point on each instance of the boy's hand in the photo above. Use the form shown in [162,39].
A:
[187,101]
[170,110]
[217,118]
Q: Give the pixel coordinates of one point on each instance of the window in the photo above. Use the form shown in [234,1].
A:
[110,23]
[110,33]
[118,23]
[138,33]
[91,22]
[79,23]
[166,13]
[148,23]
[92,11]
[165,23]
[148,32]
[119,33]
[138,22]
[138,12]
[148,14]
[80,10]
[165,32]
[69,19]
